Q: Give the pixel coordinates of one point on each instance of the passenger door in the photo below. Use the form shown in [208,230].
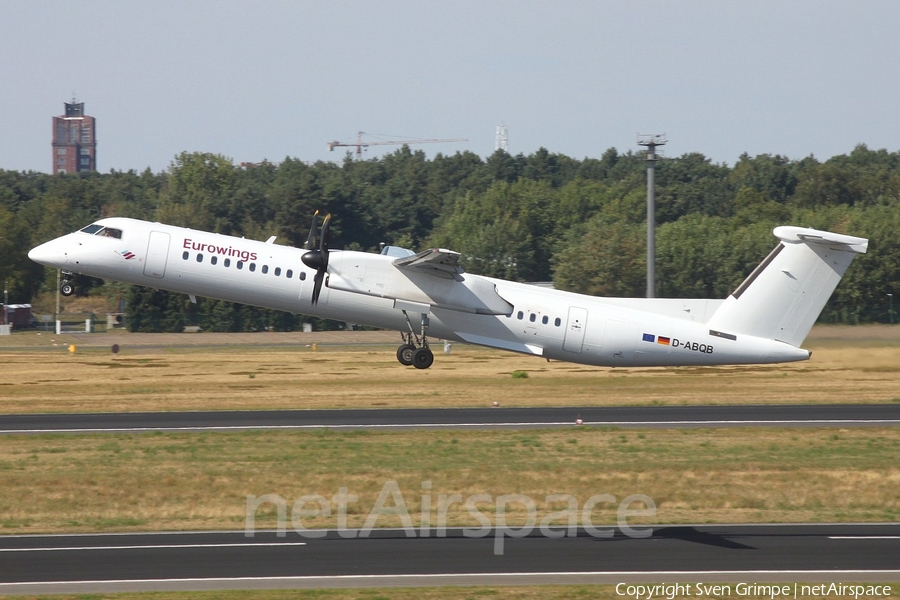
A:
[157,254]
[575,326]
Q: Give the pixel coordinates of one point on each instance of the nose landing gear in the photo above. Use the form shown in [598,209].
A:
[66,288]
[415,351]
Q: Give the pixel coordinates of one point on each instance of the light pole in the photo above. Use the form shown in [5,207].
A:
[891,308]
[56,315]
[651,141]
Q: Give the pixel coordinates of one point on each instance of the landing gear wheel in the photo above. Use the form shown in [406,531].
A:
[422,358]
[405,354]
[66,289]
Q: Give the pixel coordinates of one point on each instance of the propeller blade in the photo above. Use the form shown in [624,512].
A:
[311,240]
[317,285]
[323,242]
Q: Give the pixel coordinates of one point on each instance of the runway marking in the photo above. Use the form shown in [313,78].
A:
[241,532]
[479,425]
[465,575]
[864,537]
[151,547]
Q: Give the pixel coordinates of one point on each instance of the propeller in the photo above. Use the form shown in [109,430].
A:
[317,258]
[311,240]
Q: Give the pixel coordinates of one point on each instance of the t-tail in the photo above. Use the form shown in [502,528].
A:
[784,295]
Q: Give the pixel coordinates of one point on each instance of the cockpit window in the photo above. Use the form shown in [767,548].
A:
[96,229]
[110,232]
[396,251]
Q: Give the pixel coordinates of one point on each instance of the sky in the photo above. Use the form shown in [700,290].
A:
[277,78]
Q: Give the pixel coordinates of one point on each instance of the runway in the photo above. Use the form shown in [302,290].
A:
[228,560]
[826,415]
[95,563]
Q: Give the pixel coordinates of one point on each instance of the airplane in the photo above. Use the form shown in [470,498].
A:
[428,294]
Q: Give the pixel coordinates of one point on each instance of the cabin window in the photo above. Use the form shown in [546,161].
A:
[227,262]
[520,315]
[557,322]
[213,259]
[277,271]
[302,275]
[532,317]
[92,229]
[289,274]
[240,265]
[199,258]
[545,319]
[265,269]
[185,255]
[252,267]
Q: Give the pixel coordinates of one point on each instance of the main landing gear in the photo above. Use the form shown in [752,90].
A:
[415,351]
[66,288]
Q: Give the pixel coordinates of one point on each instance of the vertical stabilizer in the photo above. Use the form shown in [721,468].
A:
[785,294]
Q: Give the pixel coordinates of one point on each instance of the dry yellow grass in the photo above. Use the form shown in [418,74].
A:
[168,481]
[163,481]
[843,368]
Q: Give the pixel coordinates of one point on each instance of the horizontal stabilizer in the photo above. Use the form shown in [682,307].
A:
[814,236]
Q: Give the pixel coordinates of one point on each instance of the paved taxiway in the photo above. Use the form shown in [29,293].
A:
[836,415]
[219,560]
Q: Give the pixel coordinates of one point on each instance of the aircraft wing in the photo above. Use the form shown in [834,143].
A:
[432,278]
[434,261]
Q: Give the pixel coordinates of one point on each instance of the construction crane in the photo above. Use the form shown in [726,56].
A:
[360,144]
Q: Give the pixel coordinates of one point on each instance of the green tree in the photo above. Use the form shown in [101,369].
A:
[862,295]
[492,242]
[689,252]
[827,185]
[198,193]
[771,176]
[691,184]
[605,258]
[22,277]
[154,311]
[508,231]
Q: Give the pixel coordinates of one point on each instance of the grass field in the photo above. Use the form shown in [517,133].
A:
[164,481]
[42,378]
[167,481]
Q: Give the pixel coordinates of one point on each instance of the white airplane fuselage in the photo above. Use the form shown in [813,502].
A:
[367,288]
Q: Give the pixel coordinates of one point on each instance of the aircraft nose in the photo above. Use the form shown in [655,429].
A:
[45,254]
[37,253]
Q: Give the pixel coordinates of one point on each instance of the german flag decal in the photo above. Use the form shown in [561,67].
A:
[663,340]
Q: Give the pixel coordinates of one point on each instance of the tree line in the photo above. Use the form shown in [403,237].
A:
[540,217]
